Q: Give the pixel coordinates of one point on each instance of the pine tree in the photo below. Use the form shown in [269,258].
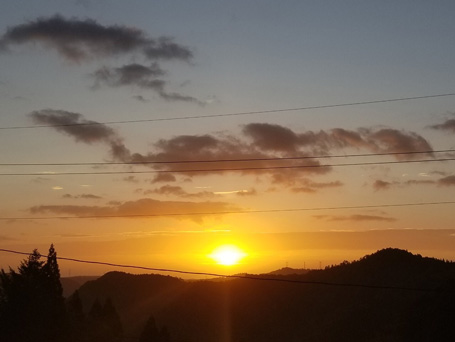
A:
[32,305]
[150,332]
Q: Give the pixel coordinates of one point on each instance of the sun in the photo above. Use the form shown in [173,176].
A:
[227,255]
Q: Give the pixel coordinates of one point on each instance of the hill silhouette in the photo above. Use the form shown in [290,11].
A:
[416,302]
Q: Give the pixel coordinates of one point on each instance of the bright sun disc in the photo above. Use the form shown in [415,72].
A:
[227,255]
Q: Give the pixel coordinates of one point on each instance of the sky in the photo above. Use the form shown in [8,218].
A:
[113,91]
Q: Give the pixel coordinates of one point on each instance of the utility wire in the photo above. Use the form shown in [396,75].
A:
[230,160]
[349,104]
[396,205]
[249,277]
[316,166]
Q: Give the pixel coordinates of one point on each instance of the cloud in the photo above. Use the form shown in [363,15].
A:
[272,137]
[447,181]
[384,185]
[74,125]
[178,191]
[131,74]
[82,196]
[355,218]
[141,76]
[41,180]
[448,125]
[131,179]
[250,192]
[82,130]
[308,186]
[140,98]
[78,40]
[85,40]
[263,147]
[163,178]
[381,185]
[145,206]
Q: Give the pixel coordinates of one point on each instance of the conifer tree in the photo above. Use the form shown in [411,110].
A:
[32,305]
[150,332]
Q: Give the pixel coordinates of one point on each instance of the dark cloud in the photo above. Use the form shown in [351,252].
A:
[82,130]
[78,40]
[390,140]
[384,185]
[272,137]
[381,185]
[355,218]
[74,125]
[448,125]
[447,181]
[223,151]
[82,40]
[258,142]
[140,98]
[131,74]
[141,76]
[143,206]
[179,97]
[166,48]
[163,178]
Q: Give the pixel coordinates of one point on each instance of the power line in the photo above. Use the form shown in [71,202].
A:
[230,160]
[316,166]
[349,104]
[397,205]
[249,277]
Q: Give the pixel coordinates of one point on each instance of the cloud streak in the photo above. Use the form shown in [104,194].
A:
[82,130]
[355,218]
[80,40]
[144,206]
[448,125]
[257,142]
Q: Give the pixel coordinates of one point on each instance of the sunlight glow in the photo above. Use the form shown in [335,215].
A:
[227,255]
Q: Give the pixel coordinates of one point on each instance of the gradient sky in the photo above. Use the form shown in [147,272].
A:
[70,62]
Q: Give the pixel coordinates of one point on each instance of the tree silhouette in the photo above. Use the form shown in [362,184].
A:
[151,333]
[31,305]
[103,322]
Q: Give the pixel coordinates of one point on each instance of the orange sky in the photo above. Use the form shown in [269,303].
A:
[196,126]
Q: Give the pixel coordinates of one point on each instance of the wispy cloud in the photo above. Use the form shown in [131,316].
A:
[78,40]
[355,218]
[81,196]
[256,141]
[82,130]
[87,40]
[448,125]
[168,190]
[387,185]
[145,206]
[447,181]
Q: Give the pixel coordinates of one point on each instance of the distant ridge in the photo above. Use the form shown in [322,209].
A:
[71,284]
[289,271]
[270,311]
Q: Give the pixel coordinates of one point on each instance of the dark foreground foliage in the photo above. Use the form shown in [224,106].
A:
[403,297]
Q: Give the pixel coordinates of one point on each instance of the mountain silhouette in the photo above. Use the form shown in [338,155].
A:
[391,295]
